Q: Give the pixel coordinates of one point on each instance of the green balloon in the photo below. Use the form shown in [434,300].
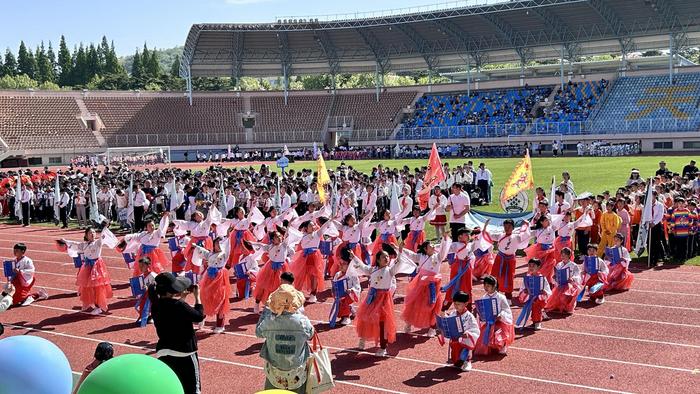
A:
[132,374]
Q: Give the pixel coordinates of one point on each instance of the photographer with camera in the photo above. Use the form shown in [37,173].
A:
[174,319]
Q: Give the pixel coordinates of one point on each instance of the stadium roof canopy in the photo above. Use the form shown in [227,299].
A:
[440,40]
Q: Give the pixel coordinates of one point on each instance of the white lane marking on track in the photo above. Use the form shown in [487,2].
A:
[519,348]
[211,359]
[343,382]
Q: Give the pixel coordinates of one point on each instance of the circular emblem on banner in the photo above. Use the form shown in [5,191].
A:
[515,204]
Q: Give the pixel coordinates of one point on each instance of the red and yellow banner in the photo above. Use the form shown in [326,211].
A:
[521,179]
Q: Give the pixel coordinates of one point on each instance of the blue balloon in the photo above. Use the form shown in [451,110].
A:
[30,364]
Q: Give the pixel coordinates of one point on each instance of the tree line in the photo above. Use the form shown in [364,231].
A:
[92,66]
[97,67]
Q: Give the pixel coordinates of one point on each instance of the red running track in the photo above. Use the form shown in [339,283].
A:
[641,341]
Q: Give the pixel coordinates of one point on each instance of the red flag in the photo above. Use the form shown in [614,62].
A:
[433,176]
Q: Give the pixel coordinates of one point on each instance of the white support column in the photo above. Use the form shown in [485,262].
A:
[561,68]
[670,59]
[469,75]
[430,80]
[189,83]
[286,84]
[376,80]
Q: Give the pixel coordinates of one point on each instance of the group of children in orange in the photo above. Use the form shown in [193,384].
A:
[304,249]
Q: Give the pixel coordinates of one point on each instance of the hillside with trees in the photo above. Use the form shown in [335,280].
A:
[97,67]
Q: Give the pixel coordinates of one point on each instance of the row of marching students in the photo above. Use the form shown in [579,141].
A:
[495,332]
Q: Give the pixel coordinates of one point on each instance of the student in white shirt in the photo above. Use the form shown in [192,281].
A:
[375,319]
[483,182]
[461,348]
[458,204]
[438,203]
[564,295]
[26,196]
[64,207]
[423,296]
[23,278]
[140,204]
[501,334]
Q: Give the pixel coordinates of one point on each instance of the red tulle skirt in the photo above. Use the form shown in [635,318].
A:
[619,278]
[561,243]
[305,268]
[268,280]
[547,257]
[377,244]
[501,335]
[178,262]
[563,298]
[504,271]
[418,311]
[208,244]
[593,280]
[158,261]
[465,282]
[237,248]
[22,288]
[414,239]
[94,285]
[369,316]
[483,265]
[216,292]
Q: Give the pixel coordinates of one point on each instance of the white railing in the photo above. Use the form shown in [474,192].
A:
[387,13]
[553,128]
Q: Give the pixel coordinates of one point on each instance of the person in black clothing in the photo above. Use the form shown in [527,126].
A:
[689,170]
[662,169]
[173,319]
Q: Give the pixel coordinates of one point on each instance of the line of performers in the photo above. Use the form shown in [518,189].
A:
[263,252]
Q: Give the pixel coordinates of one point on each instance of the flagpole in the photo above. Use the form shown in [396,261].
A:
[649,224]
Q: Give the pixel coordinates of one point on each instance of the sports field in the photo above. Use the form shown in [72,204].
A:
[640,341]
[592,174]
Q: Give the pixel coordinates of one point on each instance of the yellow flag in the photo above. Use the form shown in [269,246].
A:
[322,179]
[521,179]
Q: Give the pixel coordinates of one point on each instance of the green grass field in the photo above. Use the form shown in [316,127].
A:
[592,174]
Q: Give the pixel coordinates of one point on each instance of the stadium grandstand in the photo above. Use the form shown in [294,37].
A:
[649,99]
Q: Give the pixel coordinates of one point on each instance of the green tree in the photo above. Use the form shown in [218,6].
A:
[175,67]
[112,65]
[152,66]
[103,52]
[137,71]
[80,67]
[44,68]
[65,64]
[48,85]
[10,63]
[18,82]
[118,81]
[316,82]
[51,56]
[25,61]
[93,66]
